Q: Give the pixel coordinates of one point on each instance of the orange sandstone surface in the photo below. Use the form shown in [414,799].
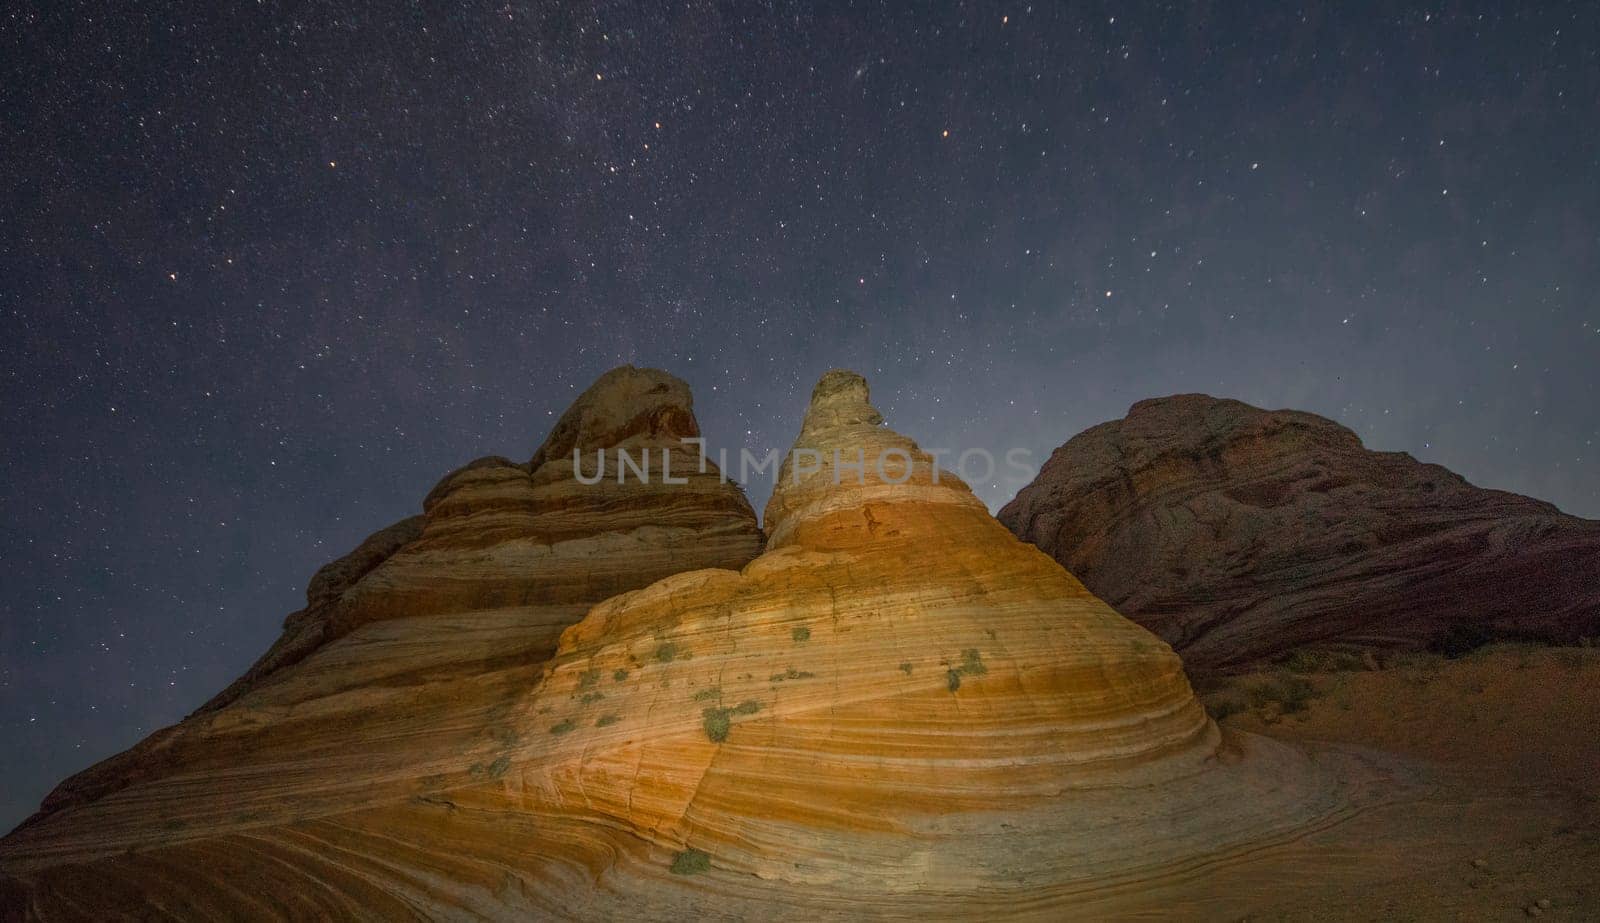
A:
[896,710]
[394,680]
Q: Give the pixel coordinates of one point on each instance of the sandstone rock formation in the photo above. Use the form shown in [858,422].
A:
[1238,534]
[408,649]
[898,710]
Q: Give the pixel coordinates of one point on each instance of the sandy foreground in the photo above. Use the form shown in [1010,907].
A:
[1500,820]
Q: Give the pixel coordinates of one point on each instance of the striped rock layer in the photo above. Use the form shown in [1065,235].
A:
[398,674]
[897,711]
[1238,534]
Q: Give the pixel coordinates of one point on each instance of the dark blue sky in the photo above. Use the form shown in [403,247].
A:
[268,270]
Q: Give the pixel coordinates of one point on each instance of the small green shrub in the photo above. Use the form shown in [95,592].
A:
[971,663]
[564,727]
[499,766]
[590,698]
[1297,697]
[791,673]
[691,862]
[801,633]
[1292,693]
[717,724]
[710,692]
[666,653]
[718,721]
[905,668]
[620,675]
[606,721]
[588,678]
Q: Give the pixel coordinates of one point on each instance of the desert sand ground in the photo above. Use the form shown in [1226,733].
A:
[1507,743]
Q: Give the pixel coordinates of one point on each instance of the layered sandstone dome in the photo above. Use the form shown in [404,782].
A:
[898,710]
[408,655]
[1238,534]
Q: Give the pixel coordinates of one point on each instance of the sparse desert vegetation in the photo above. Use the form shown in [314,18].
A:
[790,674]
[719,720]
[1500,717]
[971,665]
[691,862]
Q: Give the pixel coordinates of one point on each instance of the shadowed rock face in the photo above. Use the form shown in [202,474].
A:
[410,645]
[1237,534]
[898,710]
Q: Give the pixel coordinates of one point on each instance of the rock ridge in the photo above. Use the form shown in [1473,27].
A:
[1239,534]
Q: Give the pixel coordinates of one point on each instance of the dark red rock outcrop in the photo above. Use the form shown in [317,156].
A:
[1238,534]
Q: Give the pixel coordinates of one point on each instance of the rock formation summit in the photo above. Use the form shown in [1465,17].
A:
[897,710]
[1238,534]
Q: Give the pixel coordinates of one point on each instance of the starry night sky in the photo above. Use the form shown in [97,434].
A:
[267,270]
